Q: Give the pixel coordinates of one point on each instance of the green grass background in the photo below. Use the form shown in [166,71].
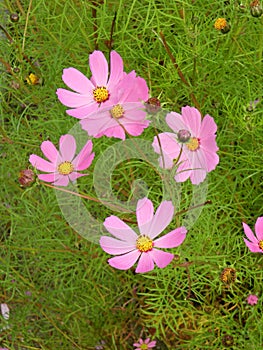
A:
[61,292]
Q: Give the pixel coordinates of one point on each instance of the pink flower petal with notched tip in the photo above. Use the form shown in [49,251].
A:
[144,212]
[259,228]
[67,147]
[116,69]
[74,176]
[77,81]
[253,247]
[161,219]
[50,151]
[172,239]
[74,99]
[161,259]
[249,233]
[99,68]
[255,242]
[49,177]
[145,263]
[119,229]
[82,112]
[82,162]
[126,261]
[192,118]
[115,246]
[41,164]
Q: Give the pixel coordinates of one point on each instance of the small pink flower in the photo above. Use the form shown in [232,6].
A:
[125,110]
[193,141]
[144,344]
[62,167]
[94,92]
[252,299]
[129,246]
[255,243]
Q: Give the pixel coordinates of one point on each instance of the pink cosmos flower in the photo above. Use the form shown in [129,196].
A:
[252,299]
[193,141]
[62,167]
[129,246]
[91,93]
[255,243]
[125,110]
[144,345]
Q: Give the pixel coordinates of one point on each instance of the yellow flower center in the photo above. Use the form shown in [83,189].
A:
[260,244]
[101,94]
[65,168]
[144,244]
[117,112]
[32,79]
[220,23]
[144,347]
[193,144]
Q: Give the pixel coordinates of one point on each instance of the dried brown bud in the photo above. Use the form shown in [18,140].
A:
[228,275]
[26,177]
[14,17]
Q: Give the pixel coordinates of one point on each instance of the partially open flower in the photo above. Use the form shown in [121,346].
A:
[153,105]
[222,25]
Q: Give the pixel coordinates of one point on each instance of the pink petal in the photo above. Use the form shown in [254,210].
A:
[259,228]
[136,129]
[250,235]
[209,144]
[120,230]
[152,344]
[183,172]
[253,247]
[99,68]
[49,177]
[115,246]
[62,180]
[197,176]
[74,176]
[84,158]
[116,69]
[95,126]
[50,151]
[192,118]
[172,239]
[161,259]
[145,263]
[77,81]
[84,111]
[126,261]
[115,131]
[169,145]
[73,99]
[175,122]
[41,164]
[144,214]
[161,219]
[67,147]
[208,127]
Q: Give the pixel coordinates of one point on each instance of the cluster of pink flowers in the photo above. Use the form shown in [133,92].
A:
[112,103]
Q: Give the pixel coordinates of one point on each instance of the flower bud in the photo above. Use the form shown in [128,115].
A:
[14,17]
[255,8]
[183,135]
[26,177]
[153,105]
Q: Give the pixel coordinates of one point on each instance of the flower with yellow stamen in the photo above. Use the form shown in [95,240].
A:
[222,25]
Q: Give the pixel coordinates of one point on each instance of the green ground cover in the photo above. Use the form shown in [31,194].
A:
[61,292]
